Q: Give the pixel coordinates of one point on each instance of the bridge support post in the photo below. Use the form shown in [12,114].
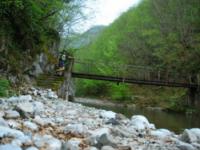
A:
[66,90]
[194,97]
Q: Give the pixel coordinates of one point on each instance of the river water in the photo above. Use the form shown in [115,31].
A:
[173,121]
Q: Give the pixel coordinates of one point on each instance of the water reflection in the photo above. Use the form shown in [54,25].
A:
[173,121]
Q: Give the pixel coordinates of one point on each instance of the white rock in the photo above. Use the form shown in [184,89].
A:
[141,123]
[26,107]
[108,114]
[124,131]
[52,95]
[185,146]
[30,125]
[13,124]
[59,120]
[38,107]
[196,145]
[9,147]
[16,142]
[99,132]
[32,148]
[41,121]
[72,144]
[91,148]
[75,129]
[3,122]
[47,141]
[107,148]
[7,132]
[11,114]
[26,140]
[191,135]
[106,139]
[96,134]
[22,98]
[1,114]
[161,133]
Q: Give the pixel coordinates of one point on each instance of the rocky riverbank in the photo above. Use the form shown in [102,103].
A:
[40,120]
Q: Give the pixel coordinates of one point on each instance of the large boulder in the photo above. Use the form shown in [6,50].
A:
[161,133]
[9,147]
[32,148]
[13,124]
[1,114]
[191,135]
[38,107]
[101,137]
[29,108]
[30,125]
[140,123]
[108,114]
[18,137]
[185,146]
[25,109]
[3,122]
[96,134]
[11,114]
[77,129]
[72,144]
[51,94]
[42,121]
[47,142]
[18,99]
[107,148]
[105,139]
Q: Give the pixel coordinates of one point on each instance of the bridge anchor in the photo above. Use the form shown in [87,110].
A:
[66,90]
[194,97]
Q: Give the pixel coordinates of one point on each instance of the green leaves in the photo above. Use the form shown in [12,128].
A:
[4,87]
[158,34]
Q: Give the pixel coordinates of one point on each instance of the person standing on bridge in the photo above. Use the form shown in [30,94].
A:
[64,61]
[61,64]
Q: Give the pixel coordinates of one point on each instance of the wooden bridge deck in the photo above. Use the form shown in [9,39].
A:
[132,80]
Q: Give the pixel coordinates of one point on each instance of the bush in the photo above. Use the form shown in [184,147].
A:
[4,87]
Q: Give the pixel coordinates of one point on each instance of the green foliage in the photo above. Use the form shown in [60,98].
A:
[4,87]
[158,34]
[92,88]
[29,27]
[120,92]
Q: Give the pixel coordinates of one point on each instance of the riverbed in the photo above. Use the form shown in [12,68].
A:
[176,122]
[40,120]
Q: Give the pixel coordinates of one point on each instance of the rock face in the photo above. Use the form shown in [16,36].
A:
[40,121]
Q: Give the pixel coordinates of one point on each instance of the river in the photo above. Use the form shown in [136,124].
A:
[173,121]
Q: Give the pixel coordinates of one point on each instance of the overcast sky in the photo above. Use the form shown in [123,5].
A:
[104,12]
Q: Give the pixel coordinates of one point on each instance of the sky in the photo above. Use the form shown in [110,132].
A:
[104,12]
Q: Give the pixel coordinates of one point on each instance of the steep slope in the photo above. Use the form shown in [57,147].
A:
[87,37]
[157,34]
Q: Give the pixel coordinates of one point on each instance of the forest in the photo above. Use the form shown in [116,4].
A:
[29,28]
[162,35]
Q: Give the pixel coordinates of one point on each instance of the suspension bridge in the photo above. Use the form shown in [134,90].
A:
[131,74]
[120,73]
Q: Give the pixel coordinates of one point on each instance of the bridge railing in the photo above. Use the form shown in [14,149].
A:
[132,72]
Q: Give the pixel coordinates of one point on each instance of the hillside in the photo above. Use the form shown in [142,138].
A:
[86,38]
[156,34]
